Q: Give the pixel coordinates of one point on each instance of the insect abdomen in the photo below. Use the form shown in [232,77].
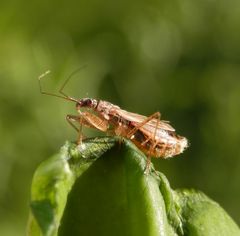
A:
[168,146]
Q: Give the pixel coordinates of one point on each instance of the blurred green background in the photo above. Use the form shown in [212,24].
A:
[178,57]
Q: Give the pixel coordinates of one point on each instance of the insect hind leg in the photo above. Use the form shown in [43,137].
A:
[157,116]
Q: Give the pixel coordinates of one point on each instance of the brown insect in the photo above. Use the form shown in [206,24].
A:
[155,137]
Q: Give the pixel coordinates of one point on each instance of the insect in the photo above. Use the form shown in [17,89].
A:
[154,137]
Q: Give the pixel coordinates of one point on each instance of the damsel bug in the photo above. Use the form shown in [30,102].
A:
[155,137]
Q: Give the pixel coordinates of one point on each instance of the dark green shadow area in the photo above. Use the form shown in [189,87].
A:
[98,196]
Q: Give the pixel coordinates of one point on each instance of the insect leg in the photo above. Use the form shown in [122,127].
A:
[154,137]
[156,115]
[80,136]
[94,121]
[89,120]
[70,119]
[147,168]
[150,152]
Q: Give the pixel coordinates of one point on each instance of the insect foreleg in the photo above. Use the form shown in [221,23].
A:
[70,119]
[89,120]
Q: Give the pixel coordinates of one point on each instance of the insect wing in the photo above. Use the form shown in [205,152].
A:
[136,119]
[161,134]
[162,124]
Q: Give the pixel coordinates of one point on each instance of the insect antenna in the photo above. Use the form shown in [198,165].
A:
[63,94]
[67,80]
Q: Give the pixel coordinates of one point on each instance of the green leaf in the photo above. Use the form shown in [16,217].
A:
[99,188]
[202,216]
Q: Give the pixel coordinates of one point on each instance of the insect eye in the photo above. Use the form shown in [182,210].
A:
[89,102]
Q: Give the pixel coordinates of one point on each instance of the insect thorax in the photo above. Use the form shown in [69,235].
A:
[106,109]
